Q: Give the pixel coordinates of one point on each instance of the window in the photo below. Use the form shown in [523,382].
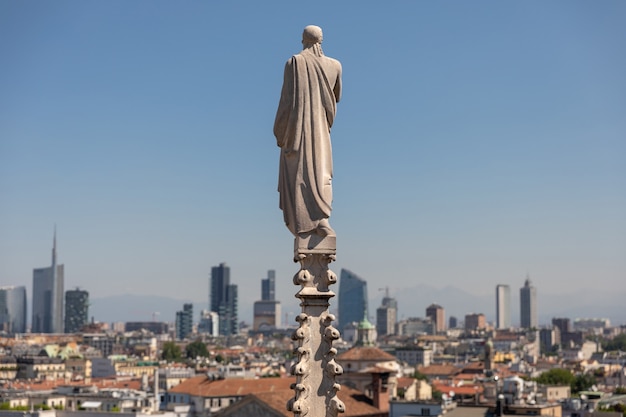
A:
[425,411]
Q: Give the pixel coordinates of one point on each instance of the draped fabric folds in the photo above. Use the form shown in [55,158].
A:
[302,128]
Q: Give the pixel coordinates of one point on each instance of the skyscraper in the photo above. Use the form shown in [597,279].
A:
[268,292]
[13,309]
[48,296]
[528,305]
[352,298]
[76,310]
[267,310]
[564,324]
[387,315]
[437,315]
[223,300]
[184,322]
[503,306]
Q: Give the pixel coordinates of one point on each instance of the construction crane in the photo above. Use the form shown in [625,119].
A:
[386,289]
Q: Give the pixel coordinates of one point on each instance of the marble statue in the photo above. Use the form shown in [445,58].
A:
[308,102]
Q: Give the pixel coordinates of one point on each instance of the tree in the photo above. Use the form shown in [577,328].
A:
[420,376]
[437,395]
[171,352]
[582,383]
[617,343]
[196,349]
[556,376]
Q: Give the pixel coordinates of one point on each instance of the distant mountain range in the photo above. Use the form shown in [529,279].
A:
[412,302]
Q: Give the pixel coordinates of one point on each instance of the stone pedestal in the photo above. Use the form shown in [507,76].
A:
[315,369]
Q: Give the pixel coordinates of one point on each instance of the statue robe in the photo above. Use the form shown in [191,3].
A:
[311,89]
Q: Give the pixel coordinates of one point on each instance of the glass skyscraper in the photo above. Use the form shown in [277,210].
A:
[76,310]
[13,309]
[528,305]
[223,300]
[184,322]
[352,298]
[48,296]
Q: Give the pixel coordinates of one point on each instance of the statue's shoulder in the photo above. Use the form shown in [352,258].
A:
[334,62]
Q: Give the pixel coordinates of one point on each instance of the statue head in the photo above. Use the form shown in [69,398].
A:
[312,34]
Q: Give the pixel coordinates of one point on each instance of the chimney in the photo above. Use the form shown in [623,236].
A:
[380,392]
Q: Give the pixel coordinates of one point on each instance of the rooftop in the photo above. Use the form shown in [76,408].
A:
[365,353]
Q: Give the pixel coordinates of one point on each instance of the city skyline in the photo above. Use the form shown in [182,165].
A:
[528,305]
[474,144]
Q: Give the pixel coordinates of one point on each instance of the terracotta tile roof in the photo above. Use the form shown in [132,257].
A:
[233,387]
[474,368]
[469,389]
[365,353]
[355,401]
[465,377]
[405,382]
[433,370]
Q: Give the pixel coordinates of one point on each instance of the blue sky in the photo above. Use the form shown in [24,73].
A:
[475,142]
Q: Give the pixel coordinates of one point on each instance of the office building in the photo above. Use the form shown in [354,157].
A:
[48,296]
[184,322]
[452,322]
[209,323]
[76,310]
[474,322]
[563,324]
[415,326]
[503,306]
[352,298]
[267,310]
[528,305]
[549,338]
[437,315]
[268,292]
[223,300]
[13,309]
[156,327]
[387,315]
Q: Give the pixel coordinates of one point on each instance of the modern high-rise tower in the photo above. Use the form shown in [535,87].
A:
[268,292]
[223,300]
[503,306]
[13,309]
[528,305]
[76,310]
[184,321]
[437,315]
[267,310]
[352,298]
[48,296]
[387,315]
